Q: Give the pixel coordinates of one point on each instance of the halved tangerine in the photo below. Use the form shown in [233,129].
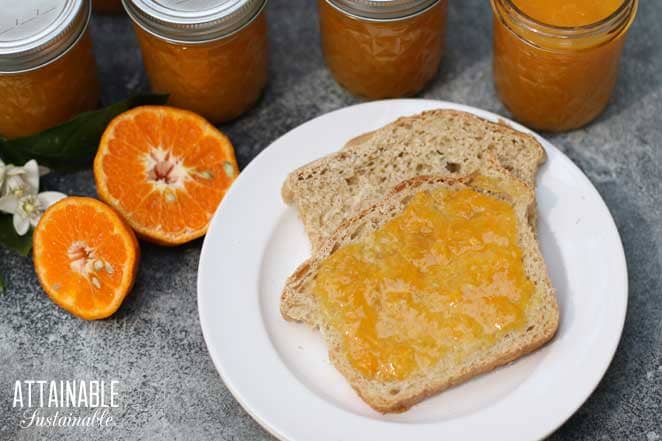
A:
[86,256]
[165,170]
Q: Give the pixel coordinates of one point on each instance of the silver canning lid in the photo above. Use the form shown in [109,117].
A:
[382,9]
[192,21]
[36,32]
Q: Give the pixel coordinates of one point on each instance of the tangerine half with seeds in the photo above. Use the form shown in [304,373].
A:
[86,256]
[165,170]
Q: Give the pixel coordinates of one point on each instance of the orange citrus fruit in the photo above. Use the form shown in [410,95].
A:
[86,257]
[165,170]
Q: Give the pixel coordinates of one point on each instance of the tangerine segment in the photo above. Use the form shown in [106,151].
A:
[86,257]
[165,170]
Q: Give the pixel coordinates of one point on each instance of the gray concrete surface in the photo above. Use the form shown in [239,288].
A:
[169,389]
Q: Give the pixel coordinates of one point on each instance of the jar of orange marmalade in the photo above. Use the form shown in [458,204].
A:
[383,48]
[555,65]
[47,68]
[209,55]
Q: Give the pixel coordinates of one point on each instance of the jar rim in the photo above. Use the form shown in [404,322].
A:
[378,11]
[193,27]
[617,19]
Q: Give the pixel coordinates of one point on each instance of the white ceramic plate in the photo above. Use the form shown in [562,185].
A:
[280,372]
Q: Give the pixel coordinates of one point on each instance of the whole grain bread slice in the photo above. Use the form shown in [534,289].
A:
[298,301]
[441,142]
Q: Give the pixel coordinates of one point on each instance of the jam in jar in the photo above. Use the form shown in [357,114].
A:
[383,49]
[555,66]
[47,68]
[209,56]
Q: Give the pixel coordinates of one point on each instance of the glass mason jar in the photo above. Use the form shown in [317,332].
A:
[383,48]
[47,68]
[557,78]
[209,55]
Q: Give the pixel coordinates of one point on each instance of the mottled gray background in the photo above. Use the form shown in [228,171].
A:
[153,345]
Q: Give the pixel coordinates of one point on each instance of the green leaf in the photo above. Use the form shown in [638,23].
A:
[71,145]
[11,240]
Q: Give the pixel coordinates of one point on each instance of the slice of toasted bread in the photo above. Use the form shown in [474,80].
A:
[298,301]
[441,142]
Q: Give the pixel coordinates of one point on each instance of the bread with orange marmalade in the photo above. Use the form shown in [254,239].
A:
[438,282]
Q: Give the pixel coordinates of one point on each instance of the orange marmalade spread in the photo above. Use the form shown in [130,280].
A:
[219,80]
[383,59]
[44,97]
[555,66]
[440,280]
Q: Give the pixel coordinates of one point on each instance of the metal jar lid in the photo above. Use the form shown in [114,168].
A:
[192,21]
[36,32]
[382,9]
